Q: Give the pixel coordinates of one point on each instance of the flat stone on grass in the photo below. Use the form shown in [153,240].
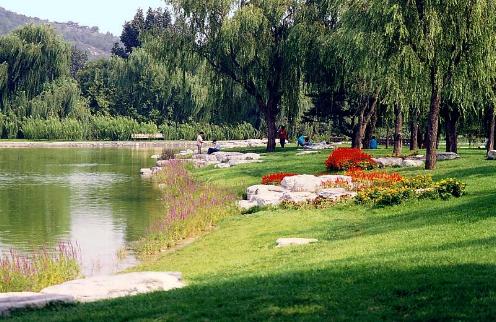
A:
[109,287]
[285,242]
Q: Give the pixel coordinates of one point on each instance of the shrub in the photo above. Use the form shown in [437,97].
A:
[347,158]
[450,187]
[41,269]
[192,208]
[275,178]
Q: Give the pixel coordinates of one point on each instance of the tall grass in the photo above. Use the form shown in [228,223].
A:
[189,131]
[108,128]
[192,208]
[40,269]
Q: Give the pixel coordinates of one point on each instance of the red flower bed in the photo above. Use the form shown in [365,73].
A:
[347,158]
[276,178]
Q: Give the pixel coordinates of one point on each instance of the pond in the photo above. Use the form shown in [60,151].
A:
[94,198]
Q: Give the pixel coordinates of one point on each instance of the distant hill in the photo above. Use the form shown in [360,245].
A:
[85,38]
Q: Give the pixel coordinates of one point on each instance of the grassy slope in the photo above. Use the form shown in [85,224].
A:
[420,260]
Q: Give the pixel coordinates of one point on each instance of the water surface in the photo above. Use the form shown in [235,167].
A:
[92,197]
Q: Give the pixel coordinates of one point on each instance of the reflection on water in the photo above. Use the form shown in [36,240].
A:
[94,197]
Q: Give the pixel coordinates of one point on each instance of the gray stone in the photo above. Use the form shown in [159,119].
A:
[336,194]
[308,152]
[155,156]
[299,183]
[285,242]
[269,198]
[109,287]
[260,189]
[146,172]
[388,162]
[443,156]
[225,156]
[246,204]
[222,165]
[491,155]
[29,300]
[205,157]
[299,197]
[412,163]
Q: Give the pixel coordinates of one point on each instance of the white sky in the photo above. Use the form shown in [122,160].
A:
[108,15]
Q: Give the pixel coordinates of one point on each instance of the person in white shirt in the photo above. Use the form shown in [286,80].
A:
[199,141]
[215,148]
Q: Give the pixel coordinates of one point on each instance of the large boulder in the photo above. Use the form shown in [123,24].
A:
[109,287]
[443,156]
[225,156]
[491,155]
[29,300]
[260,189]
[304,182]
[247,204]
[412,163]
[205,157]
[285,242]
[388,162]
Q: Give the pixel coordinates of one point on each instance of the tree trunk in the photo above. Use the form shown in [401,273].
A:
[420,138]
[451,126]
[398,125]
[387,135]
[364,117]
[491,131]
[270,120]
[433,124]
[414,129]
[369,132]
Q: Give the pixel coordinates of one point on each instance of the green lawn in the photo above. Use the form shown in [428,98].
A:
[423,260]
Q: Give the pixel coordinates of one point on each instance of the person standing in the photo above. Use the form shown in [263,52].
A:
[199,141]
[283,136]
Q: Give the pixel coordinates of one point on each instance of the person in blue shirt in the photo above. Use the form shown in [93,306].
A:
[373,143]
[301,141]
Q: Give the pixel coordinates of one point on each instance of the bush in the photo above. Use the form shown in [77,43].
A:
[348,158]
[449,187]
[275,178]
[189,131]
[167,154]
[362,179]
[54,129]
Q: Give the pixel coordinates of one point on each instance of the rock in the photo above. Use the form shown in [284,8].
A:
[155,156]
[336,194]
[412,163]
[308,152]
[237,162]
[162,163]
[109,287]
[299,196]
[222,165]
[491,155]
[29,300]
[205,157]
[388,162]
[246,204]
[443,156]
[225,156]
[305,182]
[329,179]
[259,189]
[269,198]
[146,172]
[284,242]
[252,156]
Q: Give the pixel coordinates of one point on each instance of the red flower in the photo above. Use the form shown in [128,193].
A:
[276,178]
[347,158]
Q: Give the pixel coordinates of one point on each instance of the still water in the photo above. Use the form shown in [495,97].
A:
[92,197]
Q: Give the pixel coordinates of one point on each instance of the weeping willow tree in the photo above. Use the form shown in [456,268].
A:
[452,41]
[253,43]
[31,57]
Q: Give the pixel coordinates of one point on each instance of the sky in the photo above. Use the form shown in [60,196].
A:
[108,15]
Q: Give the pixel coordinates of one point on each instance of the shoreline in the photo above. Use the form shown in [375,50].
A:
[179,144]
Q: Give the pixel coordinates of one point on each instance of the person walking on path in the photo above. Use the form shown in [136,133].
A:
[199,141]
[283,136]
